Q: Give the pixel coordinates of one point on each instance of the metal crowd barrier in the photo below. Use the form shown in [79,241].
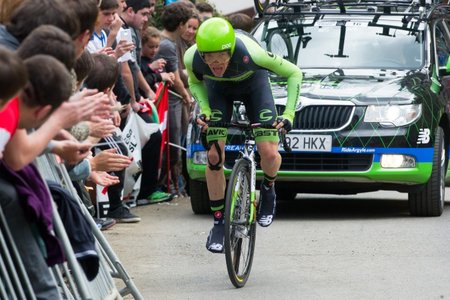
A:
[102,287]
[71,281]
[14,282]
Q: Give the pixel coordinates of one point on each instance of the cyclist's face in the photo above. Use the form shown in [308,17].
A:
[217,62]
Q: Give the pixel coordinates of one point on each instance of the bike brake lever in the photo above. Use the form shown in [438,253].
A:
[283,139]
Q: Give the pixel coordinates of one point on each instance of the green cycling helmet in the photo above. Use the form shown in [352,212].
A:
[214,35]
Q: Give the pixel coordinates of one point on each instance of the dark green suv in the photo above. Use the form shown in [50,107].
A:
[374,107]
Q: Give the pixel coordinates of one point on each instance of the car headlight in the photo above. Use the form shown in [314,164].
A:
[199,158]
[393,115]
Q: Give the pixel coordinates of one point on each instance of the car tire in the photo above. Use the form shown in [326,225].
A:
[199,197]
[429,201]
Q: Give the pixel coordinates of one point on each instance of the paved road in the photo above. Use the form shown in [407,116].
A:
[319,247]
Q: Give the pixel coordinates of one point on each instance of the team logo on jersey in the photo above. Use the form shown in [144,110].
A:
[245,59]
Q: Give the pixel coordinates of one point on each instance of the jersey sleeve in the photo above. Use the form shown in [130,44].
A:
[281,67]
[196,85]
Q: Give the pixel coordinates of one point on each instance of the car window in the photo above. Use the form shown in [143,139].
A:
[442,36]
[333,44]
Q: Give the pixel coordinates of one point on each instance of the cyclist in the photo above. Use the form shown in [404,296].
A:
[224,66]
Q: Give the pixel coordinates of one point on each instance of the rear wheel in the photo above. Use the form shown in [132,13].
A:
[240,225]
[429,201]
[199,197]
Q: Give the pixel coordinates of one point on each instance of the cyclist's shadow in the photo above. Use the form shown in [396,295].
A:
[317,207]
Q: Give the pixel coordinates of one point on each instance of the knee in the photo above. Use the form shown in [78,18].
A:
[213,157]
[269,154]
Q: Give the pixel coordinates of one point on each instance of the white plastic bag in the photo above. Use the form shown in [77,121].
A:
[135,135]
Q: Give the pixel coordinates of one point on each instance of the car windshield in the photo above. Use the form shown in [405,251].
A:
[344,44]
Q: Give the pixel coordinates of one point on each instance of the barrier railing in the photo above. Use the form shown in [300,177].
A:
[71,281]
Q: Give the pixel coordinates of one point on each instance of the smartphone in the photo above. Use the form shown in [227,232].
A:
[126,35]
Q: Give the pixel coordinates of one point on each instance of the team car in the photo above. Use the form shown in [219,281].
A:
[374,106]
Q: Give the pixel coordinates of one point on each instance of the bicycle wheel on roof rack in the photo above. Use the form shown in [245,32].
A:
[280,44]
[261,6]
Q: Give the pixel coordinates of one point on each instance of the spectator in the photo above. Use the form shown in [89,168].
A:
[12,78]
[102,77]
[108,19]
[174,20]
[30,14]
[205,10]
[49,83]
[86,13]
[241,21]
[186,40]
[83,65]
[151,69]
[134,18]
[57,44]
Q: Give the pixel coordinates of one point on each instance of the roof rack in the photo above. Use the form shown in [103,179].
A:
[406,8]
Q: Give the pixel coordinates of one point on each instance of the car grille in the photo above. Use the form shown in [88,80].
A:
[315,161]
[320,117]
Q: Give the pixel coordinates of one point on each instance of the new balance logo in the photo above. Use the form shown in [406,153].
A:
[424,136]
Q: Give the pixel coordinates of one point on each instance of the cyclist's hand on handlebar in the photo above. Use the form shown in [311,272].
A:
[284,123]
[202,120]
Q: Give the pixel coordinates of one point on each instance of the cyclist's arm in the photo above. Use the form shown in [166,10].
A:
[281,67]
[196,86]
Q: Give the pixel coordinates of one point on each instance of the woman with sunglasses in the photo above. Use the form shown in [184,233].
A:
[225,66]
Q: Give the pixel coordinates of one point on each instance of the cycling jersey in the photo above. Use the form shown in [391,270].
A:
[248,58]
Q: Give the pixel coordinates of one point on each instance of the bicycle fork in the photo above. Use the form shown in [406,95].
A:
[250,156]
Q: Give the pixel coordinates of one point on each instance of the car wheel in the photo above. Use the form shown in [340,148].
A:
[199,197]
[429,201]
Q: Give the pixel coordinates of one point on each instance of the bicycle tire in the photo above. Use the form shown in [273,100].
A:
[260,6]
[281,40]
[240,227]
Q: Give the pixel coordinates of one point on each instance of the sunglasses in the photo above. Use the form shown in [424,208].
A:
[216,57]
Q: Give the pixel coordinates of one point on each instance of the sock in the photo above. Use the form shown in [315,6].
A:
[218,209]
[268,180]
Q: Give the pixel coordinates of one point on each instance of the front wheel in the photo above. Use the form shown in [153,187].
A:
[240,225]
[429,201]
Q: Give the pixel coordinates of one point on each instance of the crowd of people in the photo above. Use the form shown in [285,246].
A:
[71,74]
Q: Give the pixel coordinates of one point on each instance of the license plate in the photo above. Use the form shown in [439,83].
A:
[308,142]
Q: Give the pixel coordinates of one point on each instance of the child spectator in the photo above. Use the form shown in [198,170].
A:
[151,38]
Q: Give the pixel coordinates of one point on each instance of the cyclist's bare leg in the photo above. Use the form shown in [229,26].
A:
[215,179]
[270,157]
[270,164]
